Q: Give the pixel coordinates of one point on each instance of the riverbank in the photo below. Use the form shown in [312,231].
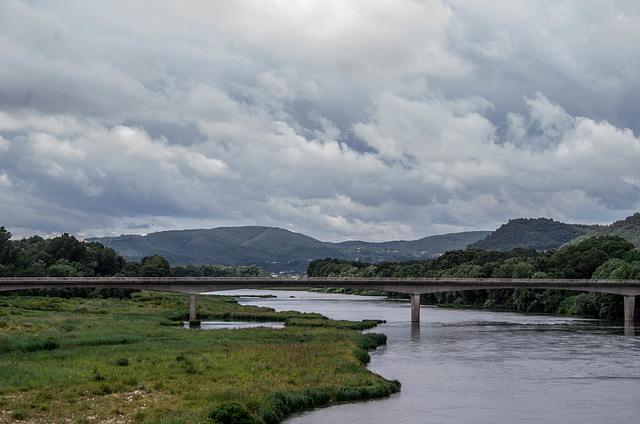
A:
[124,361]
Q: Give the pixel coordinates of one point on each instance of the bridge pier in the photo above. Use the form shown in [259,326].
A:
[629,308]
[415,307]
[192,307]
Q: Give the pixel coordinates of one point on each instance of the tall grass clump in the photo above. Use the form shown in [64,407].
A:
[27,343]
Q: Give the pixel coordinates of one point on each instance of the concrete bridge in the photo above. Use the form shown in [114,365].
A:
[413,286]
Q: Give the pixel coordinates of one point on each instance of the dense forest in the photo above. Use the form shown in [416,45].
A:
[66,256]
[598,257]
[218,271]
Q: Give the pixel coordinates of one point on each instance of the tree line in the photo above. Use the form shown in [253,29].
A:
[609,257]
[66,256]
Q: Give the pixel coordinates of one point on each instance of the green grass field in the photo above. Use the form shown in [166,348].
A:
[127,361]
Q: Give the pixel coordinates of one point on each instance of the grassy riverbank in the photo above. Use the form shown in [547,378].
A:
[127,361]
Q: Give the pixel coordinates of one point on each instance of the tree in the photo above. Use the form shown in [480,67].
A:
[9,254]
[155,266]
[67,247]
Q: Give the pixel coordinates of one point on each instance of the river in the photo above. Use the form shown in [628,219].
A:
[468,366]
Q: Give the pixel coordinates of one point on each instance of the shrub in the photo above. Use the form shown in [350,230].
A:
[371,341]
[231,413]
[50,344]
[97,375]
[362,355]
[123,362]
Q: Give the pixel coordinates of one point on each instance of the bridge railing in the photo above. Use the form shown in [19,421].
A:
[323,280]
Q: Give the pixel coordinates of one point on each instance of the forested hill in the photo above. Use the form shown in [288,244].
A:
[628,229]
[274,249]
[539,234]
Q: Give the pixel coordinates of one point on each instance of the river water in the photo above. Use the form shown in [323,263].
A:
[467,366]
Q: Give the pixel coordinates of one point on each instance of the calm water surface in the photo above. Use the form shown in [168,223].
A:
[461,366]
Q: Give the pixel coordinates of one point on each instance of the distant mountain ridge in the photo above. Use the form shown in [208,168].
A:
[274,249]
[278,250]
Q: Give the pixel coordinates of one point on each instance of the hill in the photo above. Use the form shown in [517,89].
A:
[628,229]
[425,248]
[274,249]
[537,233]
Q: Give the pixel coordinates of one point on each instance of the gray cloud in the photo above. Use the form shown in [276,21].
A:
[374,120]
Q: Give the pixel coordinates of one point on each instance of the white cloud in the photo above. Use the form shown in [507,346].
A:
[4,180]
[206,167]
[367,119]
[47,145]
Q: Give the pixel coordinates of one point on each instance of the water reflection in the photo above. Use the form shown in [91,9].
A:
[415,332]
[629,328]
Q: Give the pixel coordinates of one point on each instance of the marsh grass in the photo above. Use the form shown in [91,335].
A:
[104,360]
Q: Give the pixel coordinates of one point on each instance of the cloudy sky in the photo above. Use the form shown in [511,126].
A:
[362,119]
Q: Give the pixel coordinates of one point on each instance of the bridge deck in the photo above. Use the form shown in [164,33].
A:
[413,286]
[195,285]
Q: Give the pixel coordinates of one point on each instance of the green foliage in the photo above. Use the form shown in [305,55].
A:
[155,266]
[123,362]
[27,343]
[231,413]
[116,364]
[581,260]
[57,257]
[218,271]
[281,404]
[370,341]
[597,257]
[19,415]
[628,229]
[66,256]
[362,355]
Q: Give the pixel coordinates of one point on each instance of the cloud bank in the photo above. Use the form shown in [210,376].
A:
[373,120]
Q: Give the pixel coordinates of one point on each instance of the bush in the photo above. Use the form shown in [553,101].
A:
[123,362]
[362,355]
[231,413]
[50,344]
[370,341]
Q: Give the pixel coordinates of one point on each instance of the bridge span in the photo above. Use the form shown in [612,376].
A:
[412,286]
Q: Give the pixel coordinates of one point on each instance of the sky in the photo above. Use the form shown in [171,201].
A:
[343,120]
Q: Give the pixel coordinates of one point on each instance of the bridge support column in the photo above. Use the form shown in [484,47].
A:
[415,307]
[192,307]
[629,308]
